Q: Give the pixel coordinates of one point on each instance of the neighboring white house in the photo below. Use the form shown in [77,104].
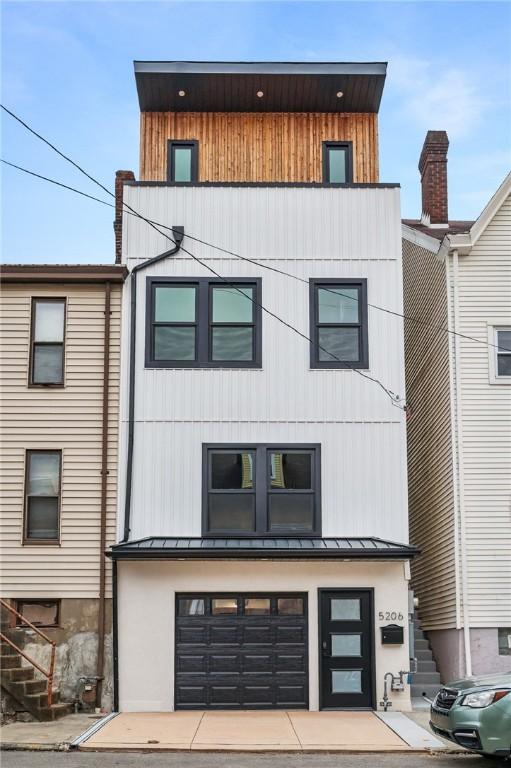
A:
[263,523]
[458,275]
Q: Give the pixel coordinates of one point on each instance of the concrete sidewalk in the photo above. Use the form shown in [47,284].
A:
[251,731]
[54,735]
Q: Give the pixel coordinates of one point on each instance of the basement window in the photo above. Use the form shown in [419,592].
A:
[183,161]
[337,162]
[40,613]
[504,641]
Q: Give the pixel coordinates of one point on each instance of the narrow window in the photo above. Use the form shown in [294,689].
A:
[203,323]
[338,318]
[47,347]
[503,352]
[182,161]
[337,162]
[262,490]
[42,496]
[40,613]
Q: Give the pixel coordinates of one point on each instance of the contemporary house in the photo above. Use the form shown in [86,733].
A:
[263,555]
[60,347]
[457,275]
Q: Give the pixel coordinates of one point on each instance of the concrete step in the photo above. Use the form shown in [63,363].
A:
[424,654]
[416,690]
[20,673]
[418,634]
[7,650]
[55,712]
[426,665]
[9,661]
[422,645]
[426,678]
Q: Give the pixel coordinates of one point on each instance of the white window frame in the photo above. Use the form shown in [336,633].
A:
[493,327]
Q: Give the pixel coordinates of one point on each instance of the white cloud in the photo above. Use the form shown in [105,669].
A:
[436,96]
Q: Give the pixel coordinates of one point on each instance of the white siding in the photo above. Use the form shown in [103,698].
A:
[430,460]
[485,297]
[310,233]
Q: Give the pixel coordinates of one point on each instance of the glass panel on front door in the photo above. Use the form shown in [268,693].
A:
[346,681]
[345,609]
[347,645]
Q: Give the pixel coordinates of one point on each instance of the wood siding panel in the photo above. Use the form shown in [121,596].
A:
[430,464]
[68,419]
[485,298]
[264,147]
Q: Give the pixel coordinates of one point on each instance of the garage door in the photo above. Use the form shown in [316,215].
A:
[241,651]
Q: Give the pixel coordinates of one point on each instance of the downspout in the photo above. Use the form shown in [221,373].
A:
[104,477]
[461,475]
[178,233]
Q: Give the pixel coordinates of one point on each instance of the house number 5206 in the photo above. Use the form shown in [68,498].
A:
[390,616]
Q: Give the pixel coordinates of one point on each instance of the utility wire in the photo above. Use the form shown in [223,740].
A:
[132,212]
[395,399]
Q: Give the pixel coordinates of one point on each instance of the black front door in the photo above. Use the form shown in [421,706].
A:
[346,649]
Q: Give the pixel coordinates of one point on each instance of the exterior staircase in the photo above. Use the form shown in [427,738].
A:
[427,678]
[30,693]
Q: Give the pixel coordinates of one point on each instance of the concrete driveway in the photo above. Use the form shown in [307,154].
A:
[251,731]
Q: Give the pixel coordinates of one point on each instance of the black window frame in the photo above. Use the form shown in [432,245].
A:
[326,147]
[33,343]
[203,322]
[39,601]
[31,540]
[335,282]
[261,490]
[194,170]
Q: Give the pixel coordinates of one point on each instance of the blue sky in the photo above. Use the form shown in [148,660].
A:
[67,70]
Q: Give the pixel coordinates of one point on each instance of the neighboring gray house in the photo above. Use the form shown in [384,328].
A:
[458,275]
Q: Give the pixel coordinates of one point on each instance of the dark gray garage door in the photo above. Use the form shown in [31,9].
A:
[241,651]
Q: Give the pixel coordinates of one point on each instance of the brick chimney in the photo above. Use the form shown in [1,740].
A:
[120,178]
[433,171]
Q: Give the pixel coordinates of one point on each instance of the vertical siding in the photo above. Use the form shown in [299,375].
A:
[430,464]
[68,419]
[266,146]
[485,298]
[309,233]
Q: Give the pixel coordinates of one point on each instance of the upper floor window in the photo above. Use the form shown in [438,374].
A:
[203,323]
[338,323]
[47,342]
[183,161]
[500,351]
[42,496]
[261,490]
[337,162]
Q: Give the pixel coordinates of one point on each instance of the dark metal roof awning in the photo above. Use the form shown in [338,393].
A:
[195,86]
[162,548]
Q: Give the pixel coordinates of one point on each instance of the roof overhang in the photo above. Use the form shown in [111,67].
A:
[420,238]
[164,548]
[62,273]
[233,86]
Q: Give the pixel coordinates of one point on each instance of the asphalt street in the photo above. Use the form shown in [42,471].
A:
[223,760]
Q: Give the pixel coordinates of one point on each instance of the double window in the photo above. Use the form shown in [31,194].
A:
[183,161]
[338,323]
[47,342]
[337,162]
[203,323]
[42,496]
[261,490]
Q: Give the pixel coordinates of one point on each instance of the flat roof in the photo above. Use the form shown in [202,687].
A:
[62,273]
[232,86]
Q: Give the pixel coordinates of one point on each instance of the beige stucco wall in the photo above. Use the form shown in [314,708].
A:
[146,599]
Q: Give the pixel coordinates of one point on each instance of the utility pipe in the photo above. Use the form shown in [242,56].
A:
[461,473]
[104,478]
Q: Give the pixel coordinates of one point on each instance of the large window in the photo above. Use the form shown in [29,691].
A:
[183,161]
[261,490]
[47,342]
[337,162]
[203,323]
[42,496]
[338,323]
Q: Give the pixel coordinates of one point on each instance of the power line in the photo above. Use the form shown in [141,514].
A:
[155,224]
[392,395]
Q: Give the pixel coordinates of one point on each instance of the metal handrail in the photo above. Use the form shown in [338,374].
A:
[49,674]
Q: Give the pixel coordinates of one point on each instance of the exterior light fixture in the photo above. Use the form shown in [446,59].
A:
[339,94]
[182,93]
[260,94]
